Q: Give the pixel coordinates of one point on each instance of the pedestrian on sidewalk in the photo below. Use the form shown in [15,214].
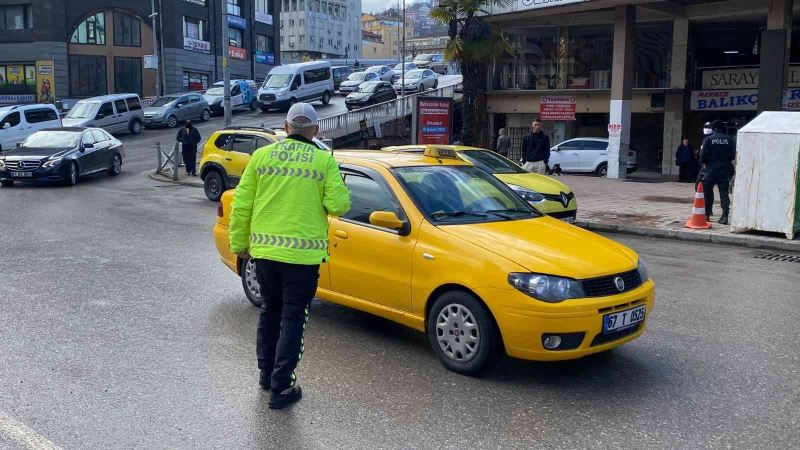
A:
[717,156]
[536,149]
[282,223]
[684,159]
[189,137]
[503,143]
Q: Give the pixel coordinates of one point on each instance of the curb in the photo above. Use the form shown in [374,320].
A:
[693,236]
[164,179]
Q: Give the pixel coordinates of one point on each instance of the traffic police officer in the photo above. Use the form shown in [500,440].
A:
[279,217]
[717,155]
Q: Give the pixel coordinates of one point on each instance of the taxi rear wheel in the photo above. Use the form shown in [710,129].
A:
[462,333]
[250,283]
[213,186]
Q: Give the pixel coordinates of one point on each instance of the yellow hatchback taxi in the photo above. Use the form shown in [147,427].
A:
[546,194]
[445,248]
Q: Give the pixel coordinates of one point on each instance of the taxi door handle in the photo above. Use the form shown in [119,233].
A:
[228,159]
[340,234]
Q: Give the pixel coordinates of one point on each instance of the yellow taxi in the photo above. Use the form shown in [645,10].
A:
[546,194]
[443,247]
[227,153]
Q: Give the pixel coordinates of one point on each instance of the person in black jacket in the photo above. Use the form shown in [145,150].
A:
[189,137]
[536,149]
[684,159]
[717,155]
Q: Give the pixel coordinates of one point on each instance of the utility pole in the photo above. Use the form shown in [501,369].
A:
[153,15]
[226,70]
[403,52]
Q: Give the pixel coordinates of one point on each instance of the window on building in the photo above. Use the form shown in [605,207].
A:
[264,6]
[302,22]
[652,54]
[291,22]
[128,75]
[197,2]
[264,43]
[127,30]
[87,75]
[15,17]
[195,81]
[292,5]
[91,31]
[235,38]
[301,5]
[301,38]
[235,7]
[195,28]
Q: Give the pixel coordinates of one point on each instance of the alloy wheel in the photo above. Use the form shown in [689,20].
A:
[457,332]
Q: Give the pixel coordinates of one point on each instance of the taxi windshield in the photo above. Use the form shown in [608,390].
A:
[490,162]
[462,194]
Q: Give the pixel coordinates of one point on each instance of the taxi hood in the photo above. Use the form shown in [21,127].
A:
[539,183]
[549,246]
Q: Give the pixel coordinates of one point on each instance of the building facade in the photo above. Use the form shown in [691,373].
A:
[642,73]
[388,28]
[320,29]
[71,49]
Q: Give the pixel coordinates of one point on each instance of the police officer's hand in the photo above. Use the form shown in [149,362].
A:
[244,255]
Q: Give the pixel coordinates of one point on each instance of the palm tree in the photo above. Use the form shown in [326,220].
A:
[474,44]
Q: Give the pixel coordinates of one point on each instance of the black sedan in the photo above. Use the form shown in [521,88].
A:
[370,93]
[62,154]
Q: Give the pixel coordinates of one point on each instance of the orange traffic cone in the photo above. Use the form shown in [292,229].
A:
[698,220]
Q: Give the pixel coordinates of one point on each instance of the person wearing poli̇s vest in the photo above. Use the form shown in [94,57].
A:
[279,218]
[717,156]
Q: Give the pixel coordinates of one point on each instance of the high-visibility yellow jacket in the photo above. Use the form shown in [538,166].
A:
[281,205]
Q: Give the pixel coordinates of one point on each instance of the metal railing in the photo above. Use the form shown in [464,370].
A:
[169,162]
[348,123]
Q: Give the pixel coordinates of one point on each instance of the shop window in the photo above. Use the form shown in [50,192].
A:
[128,75]
[235,7]
[91,31]
[652,55]
[264,43]
[87,75]
[235,38]
[16,17]
[193,81]
[195,28]
[127,30]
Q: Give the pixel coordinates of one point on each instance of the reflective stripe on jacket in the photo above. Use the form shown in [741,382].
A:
[281,205]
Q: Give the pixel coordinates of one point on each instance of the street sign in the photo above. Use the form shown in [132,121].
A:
[557,108]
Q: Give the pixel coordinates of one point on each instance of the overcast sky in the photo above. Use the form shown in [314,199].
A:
[371,6]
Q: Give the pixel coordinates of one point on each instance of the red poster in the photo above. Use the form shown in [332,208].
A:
[557,108]
[434,124]
[237,53]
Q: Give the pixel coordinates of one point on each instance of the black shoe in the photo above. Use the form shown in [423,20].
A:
[724,219]
[283,399]
[264,380]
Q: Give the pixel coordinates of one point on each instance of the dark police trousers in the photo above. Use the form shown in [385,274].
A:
[189,158]
[721,182]
[287,290]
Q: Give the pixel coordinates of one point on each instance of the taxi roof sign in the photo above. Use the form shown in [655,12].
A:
[440,153]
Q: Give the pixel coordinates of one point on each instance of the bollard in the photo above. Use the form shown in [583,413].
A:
[176,160]
[158,150]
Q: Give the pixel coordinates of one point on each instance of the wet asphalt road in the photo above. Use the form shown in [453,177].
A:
[120,328]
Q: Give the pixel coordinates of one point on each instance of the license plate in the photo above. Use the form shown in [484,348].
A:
[623,319]
[22,174]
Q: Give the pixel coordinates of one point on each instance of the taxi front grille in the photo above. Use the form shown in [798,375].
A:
[602,286]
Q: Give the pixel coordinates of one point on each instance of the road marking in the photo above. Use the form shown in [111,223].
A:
[21,433]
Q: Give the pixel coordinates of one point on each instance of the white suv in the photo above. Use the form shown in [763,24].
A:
[20,121]
[586,155]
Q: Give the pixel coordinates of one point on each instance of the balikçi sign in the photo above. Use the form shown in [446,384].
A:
[524,5]
[738,100]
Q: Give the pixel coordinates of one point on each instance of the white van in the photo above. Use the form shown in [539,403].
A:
[292,83]
[115,113]
[20,121]
[243,96]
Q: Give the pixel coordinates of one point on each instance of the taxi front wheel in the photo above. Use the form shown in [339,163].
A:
[462,333]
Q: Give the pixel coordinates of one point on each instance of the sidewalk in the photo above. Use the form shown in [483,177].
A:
[650,207]
[183,179]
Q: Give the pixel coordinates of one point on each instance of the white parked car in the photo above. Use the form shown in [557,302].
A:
[398,69]
[417,81]
[384,72]
[588,155]
[20,121]
[355,80]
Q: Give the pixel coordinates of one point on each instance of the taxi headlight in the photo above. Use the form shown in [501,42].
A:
[529,195]
[643,273]
[547,288]
[51,163]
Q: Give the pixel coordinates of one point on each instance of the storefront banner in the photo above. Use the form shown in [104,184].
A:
[557,108]
[17,99]
[265,57]
[196,45]
[264,17]
[744,78]
[434,125]
[524,5]
[15,74]
[237,53]
[45,82]
[237,22]
[739,100]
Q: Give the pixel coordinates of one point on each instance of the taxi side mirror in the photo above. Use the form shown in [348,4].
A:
[388,219]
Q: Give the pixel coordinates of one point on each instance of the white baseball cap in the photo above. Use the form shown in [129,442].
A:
[302,115]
